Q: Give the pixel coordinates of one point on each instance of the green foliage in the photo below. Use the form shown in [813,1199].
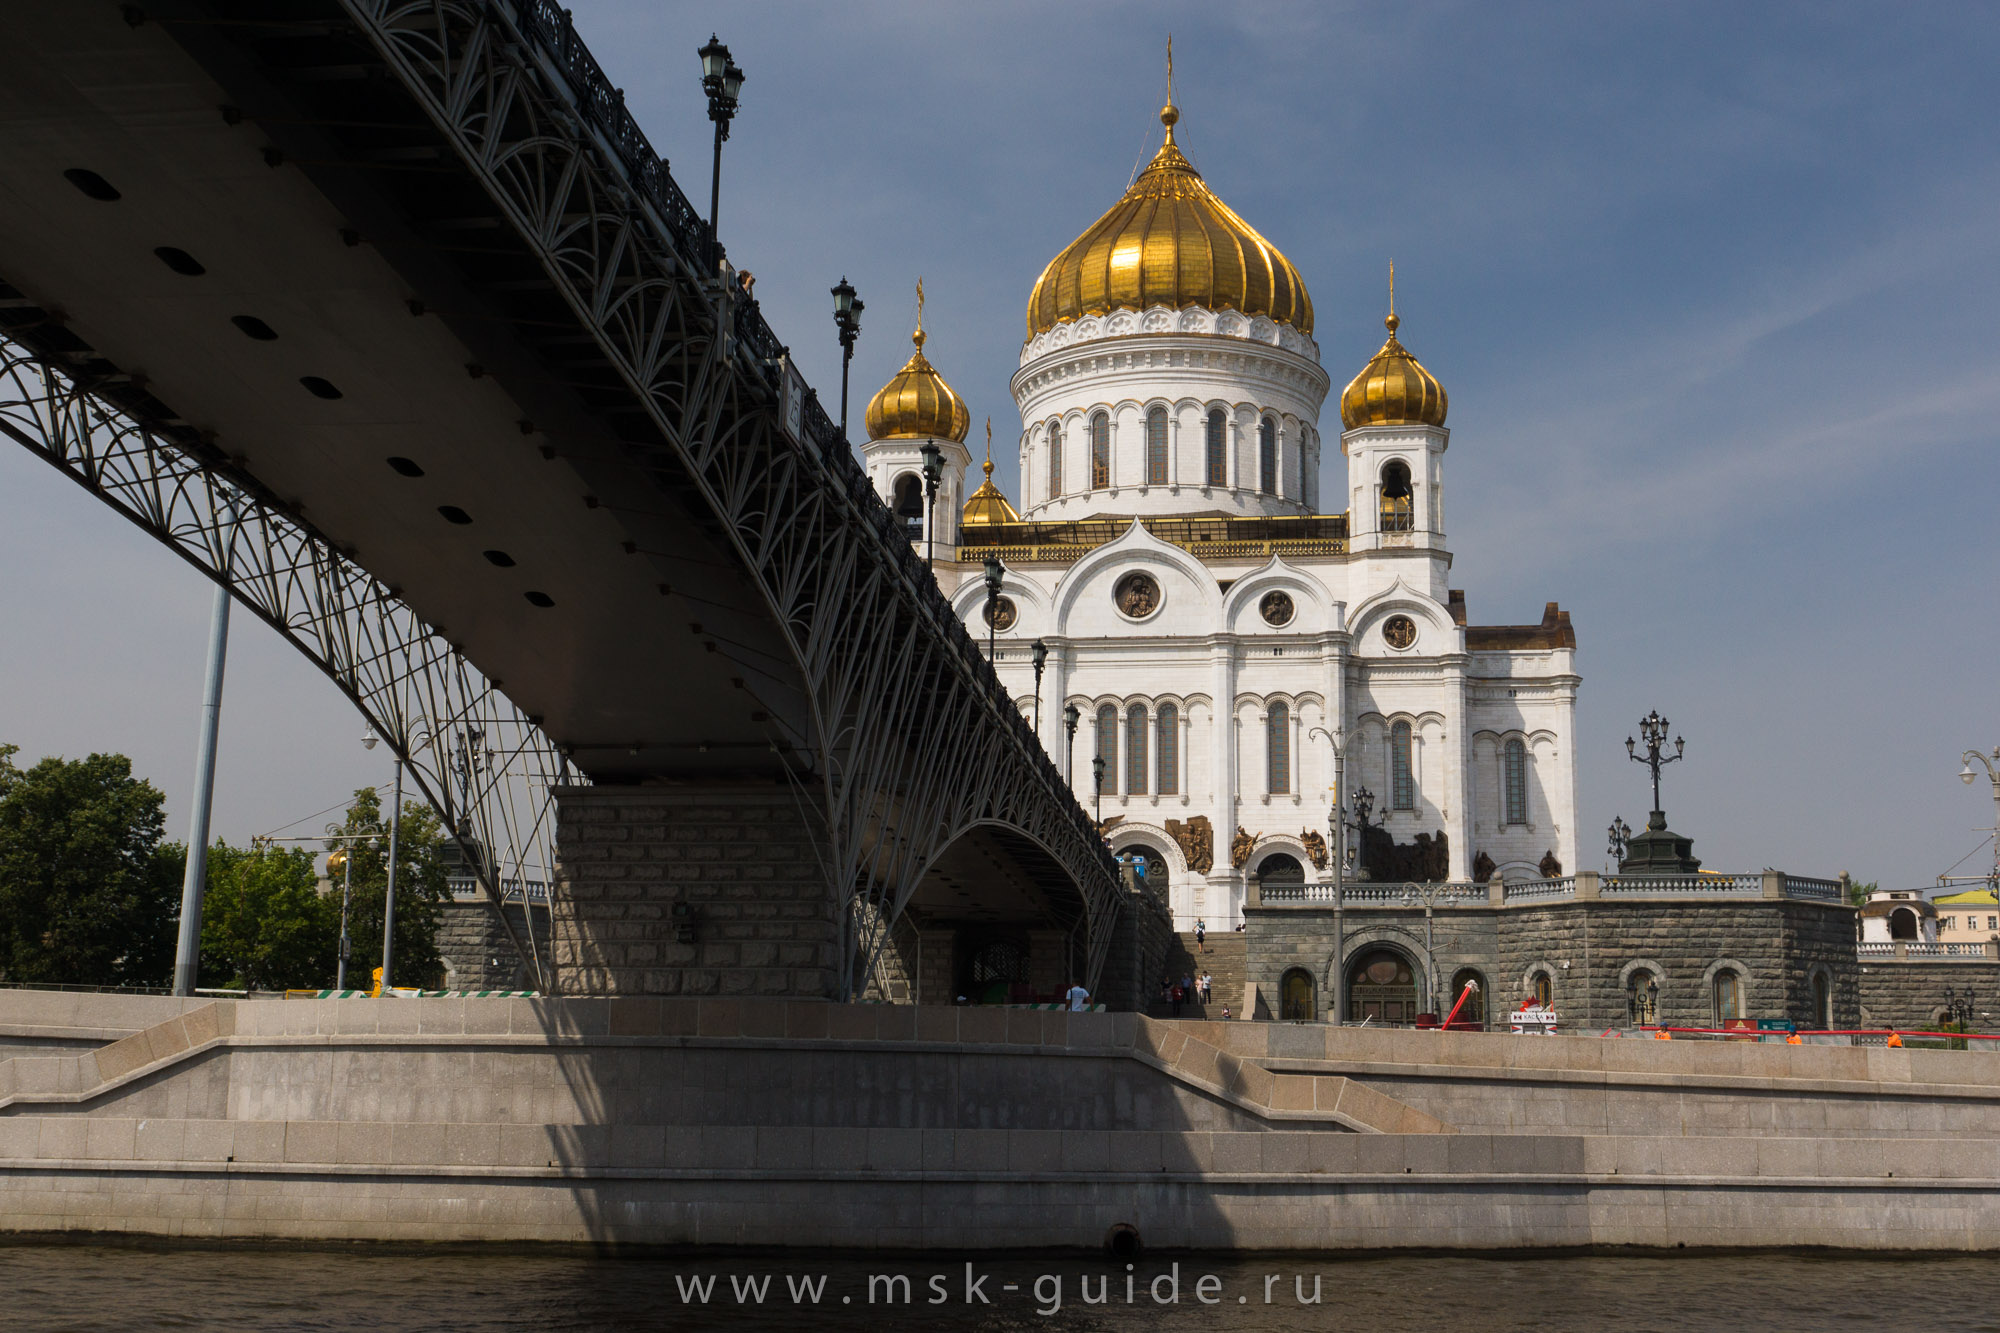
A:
[264,925]
[420,890]
[89,894]
[1857,894]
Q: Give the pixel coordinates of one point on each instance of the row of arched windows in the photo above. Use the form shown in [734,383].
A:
[1163,775]
[1216,460]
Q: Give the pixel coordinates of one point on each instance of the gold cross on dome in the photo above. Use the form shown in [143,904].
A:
[920,303]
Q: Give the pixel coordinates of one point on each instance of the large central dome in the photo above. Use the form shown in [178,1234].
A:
[1169,242]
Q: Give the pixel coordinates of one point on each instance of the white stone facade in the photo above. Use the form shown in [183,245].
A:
[1202,705]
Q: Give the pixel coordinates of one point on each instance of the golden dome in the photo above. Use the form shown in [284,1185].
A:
[1169,242]
[1393,389]
[917,403]
[987,505]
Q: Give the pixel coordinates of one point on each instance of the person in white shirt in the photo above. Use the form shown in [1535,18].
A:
[1078,997]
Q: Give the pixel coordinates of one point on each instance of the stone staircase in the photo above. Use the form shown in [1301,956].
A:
[1225,959]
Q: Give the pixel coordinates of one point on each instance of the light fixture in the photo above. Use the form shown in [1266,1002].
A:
[1966,775]
[369,738]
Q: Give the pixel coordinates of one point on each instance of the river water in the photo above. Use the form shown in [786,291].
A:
[136,1287]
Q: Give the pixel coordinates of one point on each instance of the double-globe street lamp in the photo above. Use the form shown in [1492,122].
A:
[1071,716]
[847,308]
[933,474]
[1654,728]
[1966,775]
[1039,652]
[995,572]
[723,82]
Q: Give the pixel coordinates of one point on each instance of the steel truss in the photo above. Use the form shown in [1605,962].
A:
[914,743]
[487,769]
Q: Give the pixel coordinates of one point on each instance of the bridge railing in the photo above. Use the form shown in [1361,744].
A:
[602,104]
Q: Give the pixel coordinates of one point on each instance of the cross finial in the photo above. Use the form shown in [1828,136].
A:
[1170,68]
[1392,288]
[920,302]
[1391,322]
[989,448]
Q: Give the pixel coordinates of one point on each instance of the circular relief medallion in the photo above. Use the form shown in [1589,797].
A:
[1137,595]
[1400,631]
[1276,608]
[1001,614]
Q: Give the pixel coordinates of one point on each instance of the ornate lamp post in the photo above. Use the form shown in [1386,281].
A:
[1958,1007]
[1657,851]
[1071,716]
[1621,838]
[1428,895]
[1966,775]
[722,81]
[1654,728]
[1039,651]
[1097,779]
[933,473]
[1364,805]
[368,740]
[995,571]
[847,308]
[1336,825]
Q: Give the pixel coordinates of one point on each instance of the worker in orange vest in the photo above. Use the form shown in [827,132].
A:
[1895,1039]
[1794,1040]
[1661,1034]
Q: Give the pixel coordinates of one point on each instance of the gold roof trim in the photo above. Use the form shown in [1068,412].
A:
[988,505]
[1169,242]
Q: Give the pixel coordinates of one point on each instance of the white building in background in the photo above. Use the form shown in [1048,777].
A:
[1209,622]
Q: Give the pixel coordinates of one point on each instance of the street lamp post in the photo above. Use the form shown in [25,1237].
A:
[1428,895]
[1654,728]
[368,741]
[1336,824]
[847,308]
[995,571]
[1071,716]
[1039,651]
[1097,779]
[933,473]
[346,855]
[1966,775]
[1621,838]
[722,81]
[1364,805]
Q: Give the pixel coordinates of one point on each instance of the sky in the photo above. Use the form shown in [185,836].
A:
[1711,287]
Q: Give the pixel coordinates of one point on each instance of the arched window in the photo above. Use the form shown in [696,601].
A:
[1278,750]
[1902,924]
[1267,456]
[1642,998]
[1542,989]
[910,505]
[1156,447]
[1055,459]
[1473,1011]
[1135,750]
[1822,990]
[1107,743]
[1402,785]
[1516,782]
[1100,452]
[1218,429]
[1726,995]
[1397,515]
[1280,868]
[1295,996]
[1168,749]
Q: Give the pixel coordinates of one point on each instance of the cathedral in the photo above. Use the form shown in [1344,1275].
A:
[1194,629]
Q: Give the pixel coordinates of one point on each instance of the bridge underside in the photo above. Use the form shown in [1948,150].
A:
[260,232]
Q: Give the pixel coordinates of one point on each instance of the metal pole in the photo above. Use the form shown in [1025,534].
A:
[846,359]
[389,901]
[187,952]
[346,902]
[715,199]
[1339,882]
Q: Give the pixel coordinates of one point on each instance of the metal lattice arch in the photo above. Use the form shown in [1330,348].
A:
[862,686]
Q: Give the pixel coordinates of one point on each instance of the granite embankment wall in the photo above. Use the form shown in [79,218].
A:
[775,1122]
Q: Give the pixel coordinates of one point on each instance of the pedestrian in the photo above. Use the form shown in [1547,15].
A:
[1187,985]
[1078,997]
[1174,998]
[1225,1013]
[1895,1039]
[1207,987]
[1201,935]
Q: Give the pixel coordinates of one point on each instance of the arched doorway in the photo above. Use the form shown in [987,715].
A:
[1295,996]
[1473,1011]
[1281,868]
[1642,998]
[1902,924]
[1150,861]
[1382,988]
[909,505]
[1822,990]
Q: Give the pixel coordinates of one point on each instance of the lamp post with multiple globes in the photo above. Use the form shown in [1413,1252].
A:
[847,308]
[723,83]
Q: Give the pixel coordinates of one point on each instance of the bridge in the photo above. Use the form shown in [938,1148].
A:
[387,317]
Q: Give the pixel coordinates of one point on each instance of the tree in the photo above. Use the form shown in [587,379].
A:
[89,894]
[421,892]
[1857,894]
[264,923]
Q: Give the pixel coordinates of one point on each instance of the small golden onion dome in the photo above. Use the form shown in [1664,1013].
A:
[1393,389]
[917,403]
[1169,242]
[987,505]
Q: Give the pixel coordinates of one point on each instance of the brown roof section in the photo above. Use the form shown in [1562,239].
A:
[1555,631]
